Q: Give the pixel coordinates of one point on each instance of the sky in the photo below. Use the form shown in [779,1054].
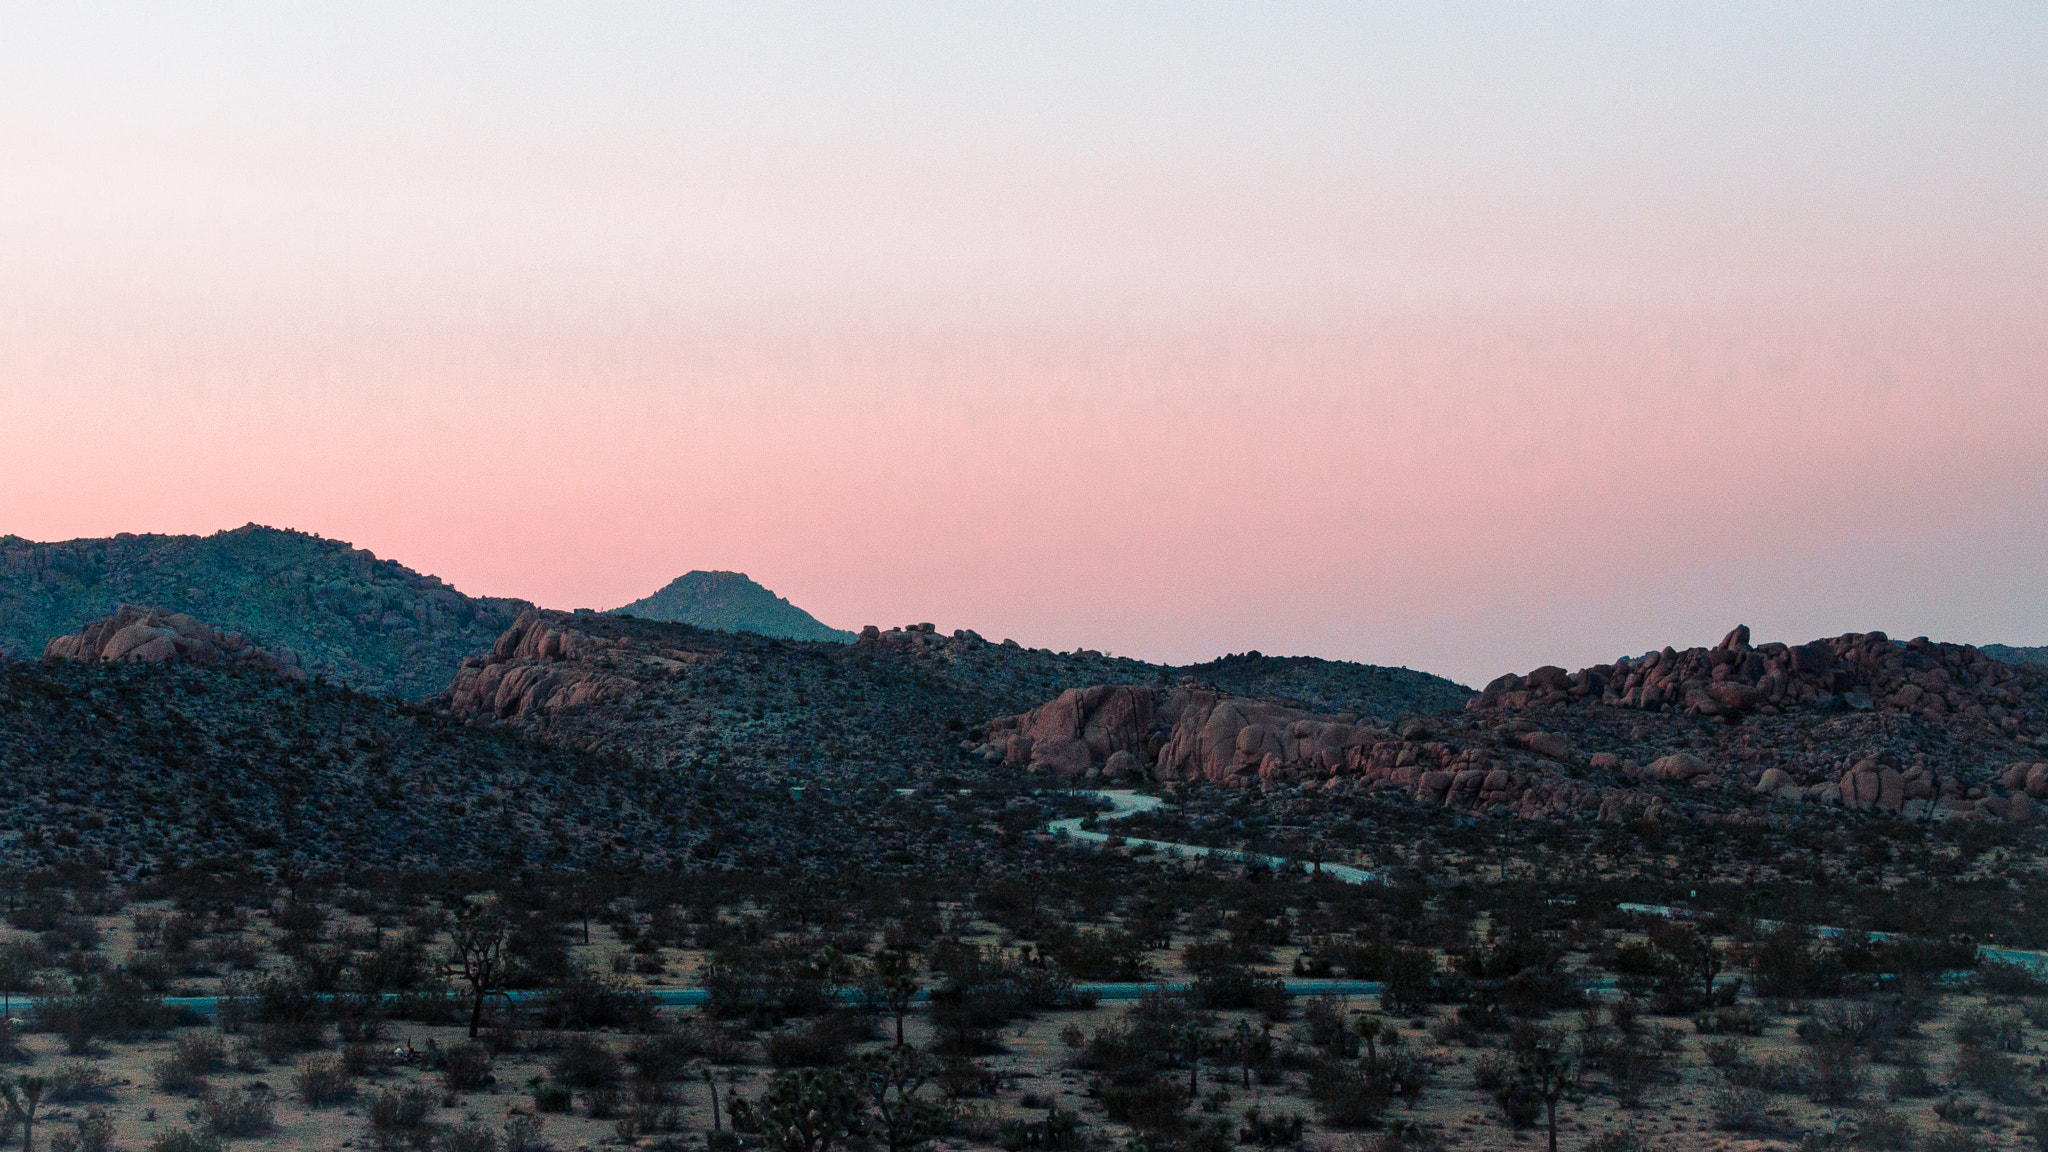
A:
[1461,337]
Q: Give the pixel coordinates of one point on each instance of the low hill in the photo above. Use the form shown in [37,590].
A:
[730,602]
[900,706]
[2012,655]
[339,611]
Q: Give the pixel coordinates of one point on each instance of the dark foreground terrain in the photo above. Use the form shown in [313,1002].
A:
[1720,896]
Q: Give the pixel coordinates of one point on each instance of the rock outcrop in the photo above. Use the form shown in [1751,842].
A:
[1858,670]
[141,635]
[541,667]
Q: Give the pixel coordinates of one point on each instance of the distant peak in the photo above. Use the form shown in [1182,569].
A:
[730,602]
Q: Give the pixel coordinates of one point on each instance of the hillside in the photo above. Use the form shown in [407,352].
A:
[140,768]
[730,602]
[2012,655]
[338,611]
[897,706]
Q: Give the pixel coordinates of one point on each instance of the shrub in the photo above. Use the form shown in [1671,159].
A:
[185,1140]
[1882,1130]
[322,1080]
[1909,1082]
[184,1071]
[469,1137]
[1346,1096]
[400,1109]
[523,1134]
[1995,1074]
[1837,1070]
[1153,1105]
[238,1112]
[78,1081]
[1490,1071]
[467,1067]
[1737,1109]
[2002,979]
[2003,1031]
[551,1097]
[1733,1020]
[1952,1139]
[585,1062]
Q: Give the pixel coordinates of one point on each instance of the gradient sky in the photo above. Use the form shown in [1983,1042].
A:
[1462,337]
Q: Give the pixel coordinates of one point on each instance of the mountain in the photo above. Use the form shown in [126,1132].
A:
[730,602]
[336,610]
[899,707]
[2012,655]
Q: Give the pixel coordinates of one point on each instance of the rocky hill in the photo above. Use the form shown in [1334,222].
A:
[897,706]
[1919,730]
[333,610]
[730,602]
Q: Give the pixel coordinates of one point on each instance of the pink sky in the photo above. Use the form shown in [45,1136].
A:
[1406,344]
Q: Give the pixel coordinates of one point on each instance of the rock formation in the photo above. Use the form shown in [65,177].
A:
[140,635]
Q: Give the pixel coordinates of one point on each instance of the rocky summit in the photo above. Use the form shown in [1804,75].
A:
[730,602]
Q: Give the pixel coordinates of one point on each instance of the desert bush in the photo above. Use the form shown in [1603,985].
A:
[469,1137]
[1909,1082]
[184,1071]
[322,1080]
[523,1134]
[1995,1074]
[467,1067]
[1346,1096]
[1617,1141]
[1151,1105]
[551,1097]
[1737,1108]
[1836,1070]
[396,1110]
[2001,1031]
[822,1041]
[185,1140]
[1491,1070]
[238,1112]
[1882,1130]
[2002,979]
[76,1081]
[1733,1020]
[585,1062]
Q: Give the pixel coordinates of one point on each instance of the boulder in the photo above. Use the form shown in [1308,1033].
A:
[1774,779]
[1677,768]
[1547,744]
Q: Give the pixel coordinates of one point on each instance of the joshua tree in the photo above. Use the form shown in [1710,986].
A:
[1551,1073]
[22,1095]
[477,950]
[895,985]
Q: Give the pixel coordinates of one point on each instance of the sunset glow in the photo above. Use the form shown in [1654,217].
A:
[1467,343]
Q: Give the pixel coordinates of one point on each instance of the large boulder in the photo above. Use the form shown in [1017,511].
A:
[134,634]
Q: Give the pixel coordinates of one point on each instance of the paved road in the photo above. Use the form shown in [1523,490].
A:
[1124,802]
